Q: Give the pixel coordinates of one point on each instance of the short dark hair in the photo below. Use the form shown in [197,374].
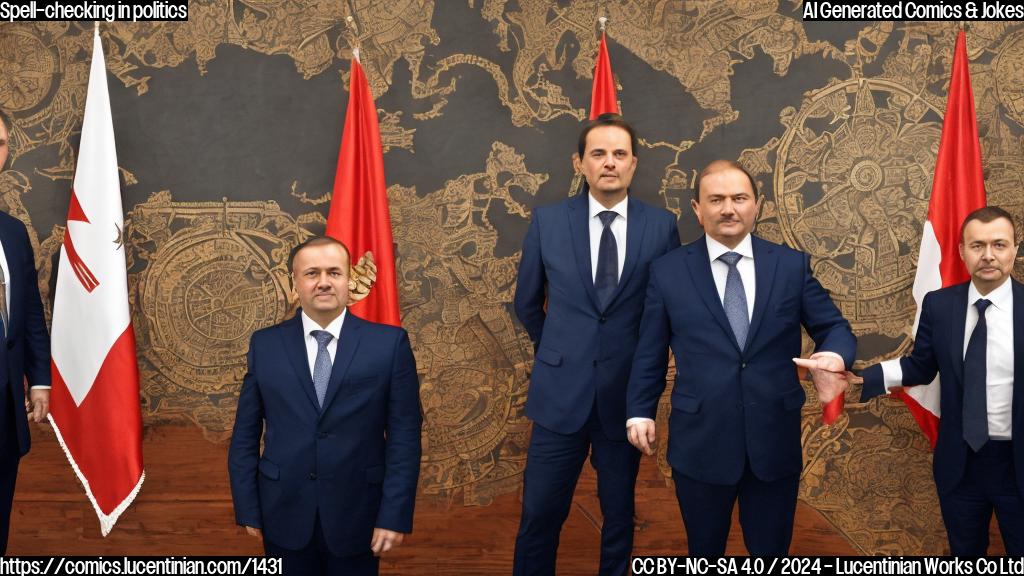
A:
[607,119]
[988,214]
[716,166]
[316,241]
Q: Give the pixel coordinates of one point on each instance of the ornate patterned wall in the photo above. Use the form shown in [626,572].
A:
[228,127]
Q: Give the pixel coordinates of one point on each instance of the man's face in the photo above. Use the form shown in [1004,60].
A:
[320,275]
[5,146]
[988,251]
[727,208]
[608,161]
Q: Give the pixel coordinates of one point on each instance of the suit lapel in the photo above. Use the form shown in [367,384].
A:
[579,230]
[1018,357]
[14,277]
[348,342]
[636,225]
[294,341]
[765,264]
[700,273]
[956,335]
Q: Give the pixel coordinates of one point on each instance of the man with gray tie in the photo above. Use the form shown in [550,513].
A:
[339,399]
[731,305]
[968,335]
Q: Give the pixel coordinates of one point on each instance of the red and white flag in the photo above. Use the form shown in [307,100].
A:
[94,404]
[602,95]
[359,214]
[957,190]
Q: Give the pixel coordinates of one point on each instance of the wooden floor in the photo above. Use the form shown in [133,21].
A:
[184,508]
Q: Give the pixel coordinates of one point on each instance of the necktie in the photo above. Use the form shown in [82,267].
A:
[607,277]
[735,301]
[322,365]
[975,401]
[3,303]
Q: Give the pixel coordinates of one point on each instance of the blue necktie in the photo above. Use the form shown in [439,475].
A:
[975,382]
[607,276]
[735,301]
[322,365]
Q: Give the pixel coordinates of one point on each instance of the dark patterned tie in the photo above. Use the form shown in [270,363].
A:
[607,277]
[735,301]
[322,365]
[975,382]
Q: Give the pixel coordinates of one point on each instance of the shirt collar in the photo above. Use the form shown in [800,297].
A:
[596,208]
[309,325]
[715,248]
[1001,297]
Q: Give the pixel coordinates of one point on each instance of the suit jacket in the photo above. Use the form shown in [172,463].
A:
[26,350]
[939,349]
[584,350]
[730,403]
[355,462]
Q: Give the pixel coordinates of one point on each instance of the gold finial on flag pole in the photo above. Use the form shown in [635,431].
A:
[350,22]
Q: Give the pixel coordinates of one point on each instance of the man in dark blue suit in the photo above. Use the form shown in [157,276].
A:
[26,354]
[336,400]
[587,257]
[731,306]
[968,335]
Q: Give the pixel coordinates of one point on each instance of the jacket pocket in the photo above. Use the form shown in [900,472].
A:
[375,474]
[549,356]
[794,399]
[269,469]
[688,404]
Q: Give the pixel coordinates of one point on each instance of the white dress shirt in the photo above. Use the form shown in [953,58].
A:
[998,357]
[618,227]
[745,266]
[309,326]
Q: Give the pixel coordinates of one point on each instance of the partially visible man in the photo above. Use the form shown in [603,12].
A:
[972,336]
[587,258]
[336,401]
[731,306]
[26,355]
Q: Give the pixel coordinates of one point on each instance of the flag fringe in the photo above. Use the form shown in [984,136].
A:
[107,521]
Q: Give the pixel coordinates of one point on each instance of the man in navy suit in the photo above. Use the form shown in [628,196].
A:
[731,306]
[339,399]
[26,354]
[967,334]
[587,257]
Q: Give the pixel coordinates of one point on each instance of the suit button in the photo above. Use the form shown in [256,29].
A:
[743,365]
[10,344]
[602,319]
[321,435]
[312,475]
[595,363]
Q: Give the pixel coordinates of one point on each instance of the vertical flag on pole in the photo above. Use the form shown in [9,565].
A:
[359,214]
[602,96]
[95,398]
[957,190]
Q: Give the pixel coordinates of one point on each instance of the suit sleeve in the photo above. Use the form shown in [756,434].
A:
[673,235]
[244,452]
[650,363]
[531,284]
[823,320]
[918,368]
[402,449]
[37,340]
